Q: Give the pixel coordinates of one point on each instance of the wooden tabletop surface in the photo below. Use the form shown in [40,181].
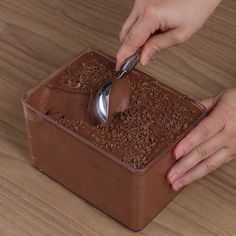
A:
[36,38]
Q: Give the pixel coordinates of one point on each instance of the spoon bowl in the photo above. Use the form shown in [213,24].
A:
[100,106]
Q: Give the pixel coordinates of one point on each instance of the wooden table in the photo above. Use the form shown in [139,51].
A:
[37,37]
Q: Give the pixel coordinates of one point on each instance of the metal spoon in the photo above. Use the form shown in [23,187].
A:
[100,107]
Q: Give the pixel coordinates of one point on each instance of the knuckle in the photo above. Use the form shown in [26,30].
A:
[229,116]
[211,166]
[204,132]
[155,48]
[181,37]
[149,11]
[226,113]
[202,152]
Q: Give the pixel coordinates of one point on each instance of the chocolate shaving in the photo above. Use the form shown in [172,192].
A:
[154,120]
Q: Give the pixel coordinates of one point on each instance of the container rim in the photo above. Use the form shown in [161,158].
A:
[203,112]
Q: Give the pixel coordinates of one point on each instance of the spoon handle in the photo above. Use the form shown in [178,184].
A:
[129,63]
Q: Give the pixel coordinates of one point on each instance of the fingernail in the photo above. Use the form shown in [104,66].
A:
[144,60]
[177,185]
[173,178]
[178,154]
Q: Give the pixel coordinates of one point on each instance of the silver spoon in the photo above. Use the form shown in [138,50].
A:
[100,107]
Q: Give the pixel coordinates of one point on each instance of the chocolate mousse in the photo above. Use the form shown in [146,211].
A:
[120,166]
[145,117]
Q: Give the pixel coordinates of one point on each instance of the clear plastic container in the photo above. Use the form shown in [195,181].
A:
[131,196]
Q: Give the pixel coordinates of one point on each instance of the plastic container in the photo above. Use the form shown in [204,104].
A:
[131,196]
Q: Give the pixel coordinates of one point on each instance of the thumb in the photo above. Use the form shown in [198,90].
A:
[158,43]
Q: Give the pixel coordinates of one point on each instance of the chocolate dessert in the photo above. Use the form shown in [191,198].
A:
[145,117]
[119,166]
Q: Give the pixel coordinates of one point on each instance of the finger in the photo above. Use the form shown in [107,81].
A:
[157,44]
[202,169]
[206,129]
[199,154]
[137,36]
[210,102]
[132,18]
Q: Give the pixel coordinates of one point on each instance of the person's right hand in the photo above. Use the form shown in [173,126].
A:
[173,21]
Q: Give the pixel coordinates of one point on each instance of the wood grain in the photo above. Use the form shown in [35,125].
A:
[37,37]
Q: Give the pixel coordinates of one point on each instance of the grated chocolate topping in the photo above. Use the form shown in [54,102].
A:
[155,118]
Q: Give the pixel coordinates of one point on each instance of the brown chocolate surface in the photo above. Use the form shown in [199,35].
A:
[154,118]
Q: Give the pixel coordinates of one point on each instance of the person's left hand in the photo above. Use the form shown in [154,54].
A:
[209,145]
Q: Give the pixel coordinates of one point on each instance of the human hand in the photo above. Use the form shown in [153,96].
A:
[209,145]
[159,24]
